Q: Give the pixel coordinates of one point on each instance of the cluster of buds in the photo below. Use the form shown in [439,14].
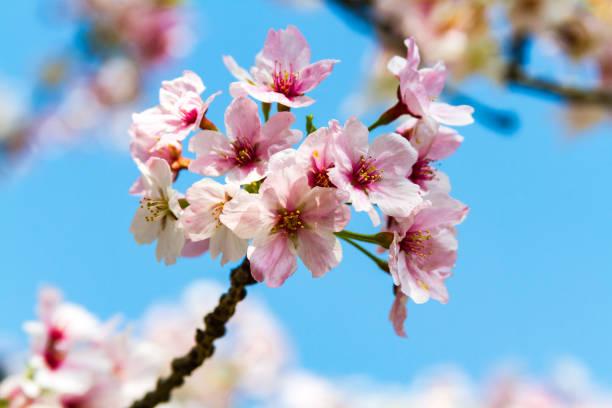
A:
[281,203]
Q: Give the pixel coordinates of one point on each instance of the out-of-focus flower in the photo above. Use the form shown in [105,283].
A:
[282,71]
[245,155]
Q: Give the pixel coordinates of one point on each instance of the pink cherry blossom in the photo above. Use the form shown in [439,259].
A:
[159,212]
[398,313]
[201,219]
[424,248]
[245,152]
[419,89]
[316,154]
[288,219]
[376,173]
[433,143]
[145,145]
[282,71]
[180,109]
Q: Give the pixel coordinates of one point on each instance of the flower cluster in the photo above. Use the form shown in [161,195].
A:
[76,360]
[281,202]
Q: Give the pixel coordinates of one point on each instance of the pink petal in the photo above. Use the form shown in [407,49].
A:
[276,135]
[288,46]
[396,197]
[413,93]
[452,115]
[246,217]
[394,155]
[273,259]
[248,173]
[169,242]
[443,211]
[396,64]
[242,120]
[213,154]
[398,313]
[319,251]
[413,58]
[324,209]
[235,69]
[313,74]
[446,142]
[434,79]
[193,249]
[225,241]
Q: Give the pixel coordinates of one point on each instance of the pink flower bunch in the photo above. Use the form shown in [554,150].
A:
[76,360]
[281,199]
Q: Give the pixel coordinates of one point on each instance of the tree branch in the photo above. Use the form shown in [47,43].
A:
[215,321]
[515,74]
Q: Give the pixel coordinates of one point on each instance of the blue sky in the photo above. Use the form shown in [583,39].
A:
[534,271]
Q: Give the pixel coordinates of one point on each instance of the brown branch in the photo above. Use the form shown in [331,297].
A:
[215,321]
[515,74]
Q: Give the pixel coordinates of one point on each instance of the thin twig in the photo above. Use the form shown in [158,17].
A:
[215,321]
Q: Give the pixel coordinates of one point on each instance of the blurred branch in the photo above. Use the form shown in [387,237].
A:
[215,321]
[515,74]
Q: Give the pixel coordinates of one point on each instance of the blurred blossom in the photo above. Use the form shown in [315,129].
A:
[78,360]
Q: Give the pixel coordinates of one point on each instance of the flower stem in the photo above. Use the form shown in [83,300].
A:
[265,107]
[381,263]
[215,321]
[282,108]
[382,238]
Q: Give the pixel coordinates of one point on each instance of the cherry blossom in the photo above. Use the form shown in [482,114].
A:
[159,211]
[433,143]
[376,173]
[245,152]
[316,154]
[287,219]
[180,109]
[424,248]
[201,219]
[282,71]
[419,89]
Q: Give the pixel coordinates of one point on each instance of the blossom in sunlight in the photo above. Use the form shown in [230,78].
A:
[424,248]
[282,71]
[433,143]
[375,173]
[288,219]
[159,211]
[245,152]
[201,219]
[180,109]
[316,154]
[419,89]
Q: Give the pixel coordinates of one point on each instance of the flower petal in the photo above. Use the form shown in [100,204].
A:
[320,252]
[273,259]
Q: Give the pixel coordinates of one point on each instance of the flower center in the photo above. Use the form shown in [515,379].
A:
[366,173]
[52,355]
[155,208]
[189,117]
[417,243]
[288,222]
[284,81]
[244,152]
[422,171]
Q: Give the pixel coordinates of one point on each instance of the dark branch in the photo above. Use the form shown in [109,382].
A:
[215,327]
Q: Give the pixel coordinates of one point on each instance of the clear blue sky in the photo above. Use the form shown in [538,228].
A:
[534,274]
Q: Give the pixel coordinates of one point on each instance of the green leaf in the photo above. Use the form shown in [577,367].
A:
[253,188]
[183,203]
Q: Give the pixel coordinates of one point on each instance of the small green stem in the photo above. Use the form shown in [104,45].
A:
[265,107]
[381,263]
[309,126]
[282,108]
[382,238]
